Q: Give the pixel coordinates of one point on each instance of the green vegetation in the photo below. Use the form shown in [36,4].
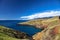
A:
[9,34]
[6,37]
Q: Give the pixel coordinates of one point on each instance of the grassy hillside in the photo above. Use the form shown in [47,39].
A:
[6,37]
[42,23]
[9,34]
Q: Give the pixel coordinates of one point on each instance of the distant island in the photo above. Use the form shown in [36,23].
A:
[51,28]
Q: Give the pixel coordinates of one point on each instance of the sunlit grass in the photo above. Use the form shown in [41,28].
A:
[5,35]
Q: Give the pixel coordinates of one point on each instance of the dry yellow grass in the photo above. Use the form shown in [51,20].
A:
[42,23]
[48,33]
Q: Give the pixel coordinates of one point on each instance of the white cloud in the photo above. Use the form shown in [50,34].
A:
[41,15]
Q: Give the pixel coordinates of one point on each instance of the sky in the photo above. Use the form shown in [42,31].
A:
[24,9]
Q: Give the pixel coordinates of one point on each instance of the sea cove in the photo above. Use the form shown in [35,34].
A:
[14,25]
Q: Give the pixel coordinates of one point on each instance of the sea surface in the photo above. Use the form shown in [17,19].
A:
[30,30]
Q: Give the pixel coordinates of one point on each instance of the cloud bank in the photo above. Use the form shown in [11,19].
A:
[41,15]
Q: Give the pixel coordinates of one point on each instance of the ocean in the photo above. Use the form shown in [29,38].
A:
[30,30]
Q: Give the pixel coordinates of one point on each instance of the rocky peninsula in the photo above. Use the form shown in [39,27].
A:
[51,28]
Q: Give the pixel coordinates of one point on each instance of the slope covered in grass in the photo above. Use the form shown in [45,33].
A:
[42,23]
[6,37]
[10,34]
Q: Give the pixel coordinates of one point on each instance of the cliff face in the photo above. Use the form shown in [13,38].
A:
[48,34]
[10,34]
[51,28]
[51,32]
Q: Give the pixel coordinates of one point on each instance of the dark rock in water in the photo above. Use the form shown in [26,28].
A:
[13,33]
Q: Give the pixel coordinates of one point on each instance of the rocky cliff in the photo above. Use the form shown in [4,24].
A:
[51,28]
[50,33]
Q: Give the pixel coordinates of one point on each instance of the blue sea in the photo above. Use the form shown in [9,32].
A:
[30,30]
